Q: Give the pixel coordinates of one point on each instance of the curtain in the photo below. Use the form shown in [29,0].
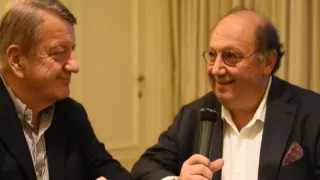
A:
[191,23]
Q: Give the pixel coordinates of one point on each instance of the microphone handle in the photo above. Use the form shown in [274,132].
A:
[205,141]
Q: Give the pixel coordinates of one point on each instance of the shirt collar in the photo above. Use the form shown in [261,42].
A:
[23,112]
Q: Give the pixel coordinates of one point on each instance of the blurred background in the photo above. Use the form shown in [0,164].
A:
[141,60]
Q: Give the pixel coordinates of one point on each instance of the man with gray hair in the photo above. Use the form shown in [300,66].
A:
[44,134]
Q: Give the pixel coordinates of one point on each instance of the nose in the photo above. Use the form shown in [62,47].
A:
[72,65]
[218,68]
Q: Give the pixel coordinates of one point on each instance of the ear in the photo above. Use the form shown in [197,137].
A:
[270,62]
[15,60]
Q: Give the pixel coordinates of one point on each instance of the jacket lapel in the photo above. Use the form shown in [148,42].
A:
[277,127]
[56,146]
[12,134]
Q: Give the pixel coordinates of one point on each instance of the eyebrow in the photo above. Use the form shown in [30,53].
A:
[58,45]
[229,48]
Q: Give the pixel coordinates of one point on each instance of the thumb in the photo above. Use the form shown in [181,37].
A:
[101,178]
[216,165]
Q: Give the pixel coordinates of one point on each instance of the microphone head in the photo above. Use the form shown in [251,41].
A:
[207,114]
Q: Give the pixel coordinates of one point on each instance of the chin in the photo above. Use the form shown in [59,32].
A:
[62,94]
[224,97]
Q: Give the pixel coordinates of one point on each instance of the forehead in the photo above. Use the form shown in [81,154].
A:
[55,30]
[236,31]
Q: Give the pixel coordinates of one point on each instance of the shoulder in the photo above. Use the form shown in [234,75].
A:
[68,104]
[209,100]
[70,110]
[304,95]
[189,113]
[306,105]
[301,96]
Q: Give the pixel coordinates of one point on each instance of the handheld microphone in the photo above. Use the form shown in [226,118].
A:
[208,118]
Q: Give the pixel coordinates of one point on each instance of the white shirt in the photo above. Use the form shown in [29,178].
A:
[241,150]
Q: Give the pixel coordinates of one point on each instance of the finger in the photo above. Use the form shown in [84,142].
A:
[199,177]
[101,178]
[199,159]
[200,169]
[216,165]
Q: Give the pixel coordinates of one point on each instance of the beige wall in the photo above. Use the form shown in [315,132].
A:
[2,5]
[123,81]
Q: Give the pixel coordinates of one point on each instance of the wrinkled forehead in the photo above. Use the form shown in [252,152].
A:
[55,30]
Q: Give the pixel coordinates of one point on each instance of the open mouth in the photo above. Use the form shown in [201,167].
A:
[225,82]
[222,80]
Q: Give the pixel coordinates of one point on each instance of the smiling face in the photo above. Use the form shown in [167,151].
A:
[239,87]
[47,72]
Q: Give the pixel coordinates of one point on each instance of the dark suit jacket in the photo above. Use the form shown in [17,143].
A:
[73,151]
[293,115]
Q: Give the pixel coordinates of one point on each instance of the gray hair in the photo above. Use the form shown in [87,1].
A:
[21,21]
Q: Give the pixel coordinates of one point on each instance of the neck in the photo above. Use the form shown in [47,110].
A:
[30,98]
[36,121]
[242,116]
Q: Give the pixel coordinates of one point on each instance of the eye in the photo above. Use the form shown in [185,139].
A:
[212,54]
[228,55]
[61,55]
[229,58]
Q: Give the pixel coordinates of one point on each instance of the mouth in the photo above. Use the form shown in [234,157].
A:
[224,82]
[65,80]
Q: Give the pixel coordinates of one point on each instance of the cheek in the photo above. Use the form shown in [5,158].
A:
[52,69]
[47,65]
[250,79]
[209,72]
[209,69]
[35,73]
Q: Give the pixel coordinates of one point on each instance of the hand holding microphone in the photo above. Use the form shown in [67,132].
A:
[199,166]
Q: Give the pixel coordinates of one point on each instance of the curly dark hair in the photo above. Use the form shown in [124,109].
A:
[268,39]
